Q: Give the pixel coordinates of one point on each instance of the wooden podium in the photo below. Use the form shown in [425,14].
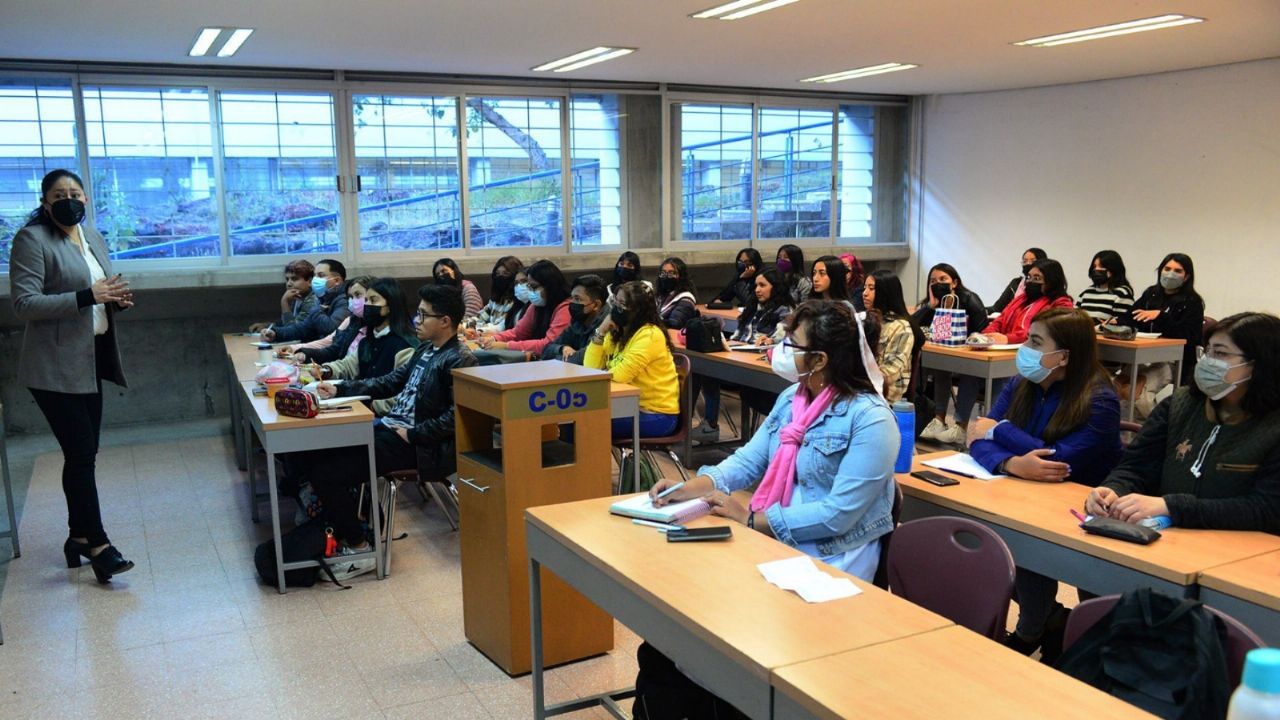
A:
[531,466]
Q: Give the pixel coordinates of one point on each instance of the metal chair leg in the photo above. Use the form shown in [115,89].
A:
[8,493]
[430,488]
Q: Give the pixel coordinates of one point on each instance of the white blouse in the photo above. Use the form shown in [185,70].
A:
[96,273]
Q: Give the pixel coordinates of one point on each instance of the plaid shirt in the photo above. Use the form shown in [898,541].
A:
[896,342]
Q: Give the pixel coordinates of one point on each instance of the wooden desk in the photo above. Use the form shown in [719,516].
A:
[242,358]
[624,401]
[985,364]
[729,317]
[739,368]
[280,434]
[1141,351]
[1034,519]
[949,673]
[705,605]
[1248,590]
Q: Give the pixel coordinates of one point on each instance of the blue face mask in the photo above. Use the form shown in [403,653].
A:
[318,285]
[1028,362]
[522,292]
[536,298]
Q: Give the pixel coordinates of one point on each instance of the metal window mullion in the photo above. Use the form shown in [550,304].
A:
[566,174]
[464,173]
[835,178]
[219,174]
[82,141]
[344,149]
[755,174]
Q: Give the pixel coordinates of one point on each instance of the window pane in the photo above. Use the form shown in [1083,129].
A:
[596,179]
[279,168]
[795,173]
[715,171]
[151,161]
[513,160]
[853,175]
[407,157]
[34,139]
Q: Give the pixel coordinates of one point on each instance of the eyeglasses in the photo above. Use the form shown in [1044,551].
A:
[794,346]
[673,276]
[421,316]
[1216,353]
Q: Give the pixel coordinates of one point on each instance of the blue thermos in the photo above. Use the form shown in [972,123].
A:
[905,413]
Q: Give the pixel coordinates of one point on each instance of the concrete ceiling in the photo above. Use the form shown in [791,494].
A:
[961,45]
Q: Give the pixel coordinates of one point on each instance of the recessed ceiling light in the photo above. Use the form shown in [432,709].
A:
[1104,31]
[739,9]
[860,72]
[204,41]
[235,41]
[584,58]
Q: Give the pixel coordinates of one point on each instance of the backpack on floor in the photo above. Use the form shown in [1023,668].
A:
[649,475]
[304,542]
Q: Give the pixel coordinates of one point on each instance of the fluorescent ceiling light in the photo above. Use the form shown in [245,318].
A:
[1124,28]
[860,72]
[739,9]
[235,41]
[583,59]
[204,41]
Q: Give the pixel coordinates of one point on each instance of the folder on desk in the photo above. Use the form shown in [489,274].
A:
[639,506]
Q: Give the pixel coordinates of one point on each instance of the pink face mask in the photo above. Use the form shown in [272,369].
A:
[357,307]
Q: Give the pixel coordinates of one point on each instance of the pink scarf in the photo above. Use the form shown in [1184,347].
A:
[779,478]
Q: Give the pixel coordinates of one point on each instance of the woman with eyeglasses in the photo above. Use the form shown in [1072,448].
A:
[1059,421]
[1209,456]
[1045,287]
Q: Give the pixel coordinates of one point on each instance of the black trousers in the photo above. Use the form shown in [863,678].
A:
[76,419]
[332,473]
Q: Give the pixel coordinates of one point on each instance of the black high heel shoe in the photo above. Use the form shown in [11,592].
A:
[105,564]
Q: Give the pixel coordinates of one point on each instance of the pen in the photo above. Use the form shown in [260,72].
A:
[669,490]
[1079,517]
[662,527]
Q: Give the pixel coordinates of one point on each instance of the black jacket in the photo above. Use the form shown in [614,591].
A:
[336,350]
[1181,317]
[974,310]
[433,411]
[576,336]
[1006,297]
[739,290]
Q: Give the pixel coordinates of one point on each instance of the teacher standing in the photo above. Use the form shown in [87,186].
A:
[62,288]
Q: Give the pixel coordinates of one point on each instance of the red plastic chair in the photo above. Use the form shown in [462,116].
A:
[1130,427]
[956,567]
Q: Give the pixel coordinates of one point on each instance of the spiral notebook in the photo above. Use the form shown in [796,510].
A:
[639,506]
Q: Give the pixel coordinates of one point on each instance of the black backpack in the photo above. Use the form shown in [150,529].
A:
[304,542]
[1163,654]
[705,334]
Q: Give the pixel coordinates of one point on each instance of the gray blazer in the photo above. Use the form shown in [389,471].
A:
[46,271]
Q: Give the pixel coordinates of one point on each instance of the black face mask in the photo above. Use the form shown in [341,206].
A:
[499,285]
[940,290]
[1098,277]
[742,267]
[577,311]
[67,212]
[1034,291]
[374,315]
[1026,269]
[618,316]
[446,280]
[624,274]
[666,285]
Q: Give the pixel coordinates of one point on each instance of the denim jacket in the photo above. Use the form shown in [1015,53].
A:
[845,465]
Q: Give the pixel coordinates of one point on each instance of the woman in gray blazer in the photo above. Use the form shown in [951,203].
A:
[62,288]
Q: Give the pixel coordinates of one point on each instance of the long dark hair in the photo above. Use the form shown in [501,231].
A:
[502,289]
[1258,337]
[39,216]
[779,295]
[1188,285]
[641,309]
[449,263]
[1055,279]
[753,259]
[683,281]
[796,256]
[1111,261]
[635,260]
[1071,329]
[397,316]
[554,288]
[890,304]
[928,290]
[833,329]
[838,275]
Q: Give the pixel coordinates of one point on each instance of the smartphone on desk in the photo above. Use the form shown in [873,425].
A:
[934,478]
[720,532]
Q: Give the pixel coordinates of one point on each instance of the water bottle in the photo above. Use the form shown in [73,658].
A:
[1258,697]
[905,413]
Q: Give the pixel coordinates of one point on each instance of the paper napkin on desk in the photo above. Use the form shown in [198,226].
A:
[802,576]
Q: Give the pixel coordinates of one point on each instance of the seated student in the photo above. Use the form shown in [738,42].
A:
[1059,421]
[900,338]
[1209,456]
[1045,287]
[586,301]
[626,270]
[790,262]
[762,322]
[743,285]
[1029,257]
[499,313]
[388,343]
[416,433]
[831,500]
[548,294]
[677,298]
[1109,296]
[346,337]
[446,272]
[1172,307]
[329,287]
[945,280]
[829,282]
[298,301]
[632,344]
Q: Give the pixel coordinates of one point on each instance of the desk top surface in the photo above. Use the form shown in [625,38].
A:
[714,590]
[1256,579]
[529,374]
[271,420]
[1042,510]
[726,314]
[1140,343]
[967,354]
[951,673]
[751,360]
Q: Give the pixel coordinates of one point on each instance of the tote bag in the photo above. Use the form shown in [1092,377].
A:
[950,323]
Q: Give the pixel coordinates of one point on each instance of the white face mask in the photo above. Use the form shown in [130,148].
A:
[784,363]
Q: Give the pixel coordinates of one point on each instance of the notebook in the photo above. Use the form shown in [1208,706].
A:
[348,400]
[961,464]
[639,506]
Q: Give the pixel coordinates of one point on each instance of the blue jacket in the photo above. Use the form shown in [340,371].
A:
[1091,451]
[845,466]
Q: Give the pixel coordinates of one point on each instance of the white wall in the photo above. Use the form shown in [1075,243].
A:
[1186,161]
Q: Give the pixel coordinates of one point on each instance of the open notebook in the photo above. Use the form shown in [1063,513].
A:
[639,506]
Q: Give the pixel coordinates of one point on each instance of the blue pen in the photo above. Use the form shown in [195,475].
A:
[662,527]
[668,491]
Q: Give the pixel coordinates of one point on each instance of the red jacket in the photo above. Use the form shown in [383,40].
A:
[1015,322]
[521,336]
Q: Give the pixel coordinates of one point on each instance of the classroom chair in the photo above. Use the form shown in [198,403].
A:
[956,567]
[881,579]
[429,491]
[1130,427]
[680,436]
[1207,328]
[1240,639]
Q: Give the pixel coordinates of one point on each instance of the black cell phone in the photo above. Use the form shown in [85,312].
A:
[720,532]
[934,478]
